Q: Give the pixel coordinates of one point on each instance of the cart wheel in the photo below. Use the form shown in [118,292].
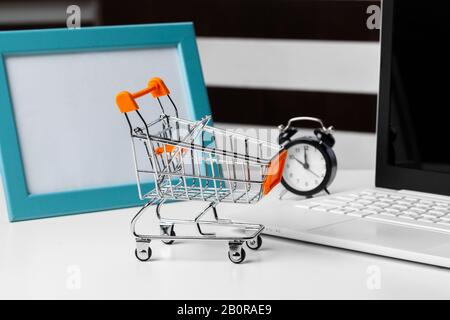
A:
[254,243]
[172,234]
[236,256]
[143,255]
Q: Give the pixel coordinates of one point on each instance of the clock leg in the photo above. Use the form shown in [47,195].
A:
[282,193]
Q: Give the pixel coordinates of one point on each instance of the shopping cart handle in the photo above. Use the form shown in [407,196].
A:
[274,172]
[156,86]
[126,100]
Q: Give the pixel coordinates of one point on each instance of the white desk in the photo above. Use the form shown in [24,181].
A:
[42,258]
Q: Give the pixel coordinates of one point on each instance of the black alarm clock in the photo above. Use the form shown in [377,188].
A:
[311,163]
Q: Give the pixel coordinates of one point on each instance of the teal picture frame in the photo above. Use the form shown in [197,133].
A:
[22,205]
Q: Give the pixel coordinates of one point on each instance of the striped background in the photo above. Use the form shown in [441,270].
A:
[264,61]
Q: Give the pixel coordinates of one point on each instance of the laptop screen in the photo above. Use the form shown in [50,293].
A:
[413,127]
[419,128]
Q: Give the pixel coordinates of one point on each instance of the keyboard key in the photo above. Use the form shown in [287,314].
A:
[443,223]
[409,217]
[374,207]
[435,213]
[357,205]
[340,211]
[381,204]
[442,209]
[399,207]
[410,213]
[417,210]
[388,214]
[371,198]
[330,205]
[358,214]
[370,211]
[323,208]
[430,215]
[362,201]
[428,220]
[408,203]
[442,213]
[442,204]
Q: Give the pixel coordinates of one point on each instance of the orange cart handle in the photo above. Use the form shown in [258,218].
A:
[274,171]
[126,101]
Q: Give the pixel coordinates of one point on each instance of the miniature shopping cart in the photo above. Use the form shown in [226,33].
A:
[189,160]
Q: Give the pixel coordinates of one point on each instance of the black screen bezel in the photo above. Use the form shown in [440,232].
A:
[387,175]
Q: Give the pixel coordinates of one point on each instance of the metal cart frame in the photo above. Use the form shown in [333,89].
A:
[191,161]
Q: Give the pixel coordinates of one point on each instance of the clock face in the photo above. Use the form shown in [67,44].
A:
[305,167]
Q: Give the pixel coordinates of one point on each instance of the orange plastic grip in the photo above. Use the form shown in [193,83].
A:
[126,100]
[159,88]
[274,172]
[169,149]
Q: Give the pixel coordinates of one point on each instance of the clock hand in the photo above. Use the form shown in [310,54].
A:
[306,160]
[306,166]
[303,164]
[314,174]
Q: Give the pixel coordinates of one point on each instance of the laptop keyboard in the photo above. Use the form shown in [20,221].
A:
[387,207]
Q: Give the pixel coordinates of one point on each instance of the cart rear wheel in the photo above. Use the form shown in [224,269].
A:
[236,256]
[143,255]
[255,243]
[172,234]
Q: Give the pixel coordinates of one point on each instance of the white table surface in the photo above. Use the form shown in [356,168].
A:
[91,256]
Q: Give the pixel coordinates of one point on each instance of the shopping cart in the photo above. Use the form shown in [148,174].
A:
[189,160]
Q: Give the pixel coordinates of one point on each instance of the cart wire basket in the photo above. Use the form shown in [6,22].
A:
[190,160]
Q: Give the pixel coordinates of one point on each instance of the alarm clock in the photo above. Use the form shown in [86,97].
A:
[311,163]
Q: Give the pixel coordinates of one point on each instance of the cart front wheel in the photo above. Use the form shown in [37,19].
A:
[236,256]
[143,254]
[255,243]
[167,230]
[172,234]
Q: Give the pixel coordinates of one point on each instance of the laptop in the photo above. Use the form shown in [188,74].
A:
[406,215]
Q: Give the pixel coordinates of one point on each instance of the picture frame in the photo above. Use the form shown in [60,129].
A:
[23,204]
